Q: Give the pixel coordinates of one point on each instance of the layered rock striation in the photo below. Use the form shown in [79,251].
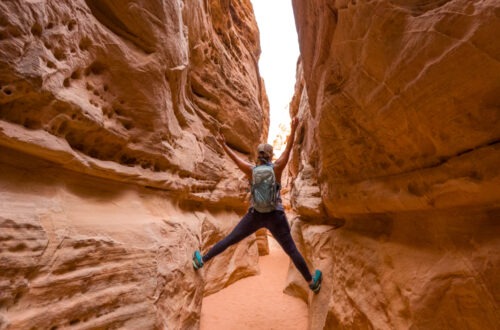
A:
[111,174]
[110,171]
[399,106]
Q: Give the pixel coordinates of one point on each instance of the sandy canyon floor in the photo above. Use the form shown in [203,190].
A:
[257,302]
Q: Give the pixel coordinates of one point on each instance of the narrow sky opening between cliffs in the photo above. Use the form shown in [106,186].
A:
[278,60]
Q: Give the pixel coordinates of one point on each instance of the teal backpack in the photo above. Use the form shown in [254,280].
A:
[264,188]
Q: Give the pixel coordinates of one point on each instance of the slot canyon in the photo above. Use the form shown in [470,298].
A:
[111,174]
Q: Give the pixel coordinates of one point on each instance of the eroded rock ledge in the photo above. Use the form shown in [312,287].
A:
[133,92]
[110,172]
[399,104]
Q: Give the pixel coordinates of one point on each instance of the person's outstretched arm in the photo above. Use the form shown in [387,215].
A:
[242,165]
[280,164]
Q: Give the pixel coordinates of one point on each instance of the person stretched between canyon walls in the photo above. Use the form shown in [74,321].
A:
[266,208]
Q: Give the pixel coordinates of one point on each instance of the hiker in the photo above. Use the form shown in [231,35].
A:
[266,209]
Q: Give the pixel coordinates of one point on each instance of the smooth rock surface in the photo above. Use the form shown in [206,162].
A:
[399,108]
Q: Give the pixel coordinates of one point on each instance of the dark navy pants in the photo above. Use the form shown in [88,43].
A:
[277,224]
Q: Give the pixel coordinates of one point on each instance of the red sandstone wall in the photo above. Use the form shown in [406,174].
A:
[110,172]
[399,106]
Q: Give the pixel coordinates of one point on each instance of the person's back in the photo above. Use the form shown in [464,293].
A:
[264,188]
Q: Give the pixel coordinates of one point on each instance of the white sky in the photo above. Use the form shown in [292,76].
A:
[278,60]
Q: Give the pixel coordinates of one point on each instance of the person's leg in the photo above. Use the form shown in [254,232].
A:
[247,226]
[278,226]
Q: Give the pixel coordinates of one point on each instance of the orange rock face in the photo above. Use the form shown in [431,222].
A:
[110,171]
[399,106]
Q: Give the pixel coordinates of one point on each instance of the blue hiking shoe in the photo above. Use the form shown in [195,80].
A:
[315,286]
[197,260]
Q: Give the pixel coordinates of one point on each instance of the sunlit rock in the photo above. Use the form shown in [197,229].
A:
[109,163]
[398,102]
